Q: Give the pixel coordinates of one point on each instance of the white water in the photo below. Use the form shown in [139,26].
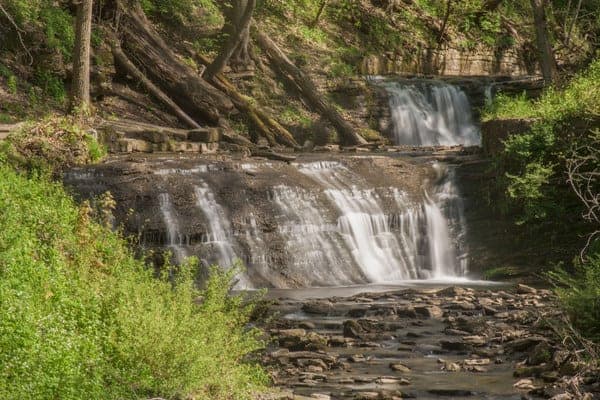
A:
[218,224]
[420,242]
[219,229]
[431,114]
[312,243]
[174,237]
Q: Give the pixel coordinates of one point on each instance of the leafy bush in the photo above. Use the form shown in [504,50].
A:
[534,162]
[81,318]
[580,295]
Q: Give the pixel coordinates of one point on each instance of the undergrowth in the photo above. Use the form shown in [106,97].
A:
[533,163]
[81,318]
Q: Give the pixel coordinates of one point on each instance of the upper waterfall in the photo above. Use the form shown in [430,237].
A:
[431,113]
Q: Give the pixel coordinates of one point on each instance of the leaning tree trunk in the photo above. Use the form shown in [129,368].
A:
[544,47]
[308,90]
[146,49]
[150,87]
[80,87]
[237,43]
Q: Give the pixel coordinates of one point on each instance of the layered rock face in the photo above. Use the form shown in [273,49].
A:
[323,221]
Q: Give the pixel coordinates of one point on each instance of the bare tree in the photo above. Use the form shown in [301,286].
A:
[583,169]
[80,88]
[544,46]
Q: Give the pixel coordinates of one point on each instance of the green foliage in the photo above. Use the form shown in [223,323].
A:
[51,17]
[184,12]
[534,162]
[50,84]
[81,318]
[579,294]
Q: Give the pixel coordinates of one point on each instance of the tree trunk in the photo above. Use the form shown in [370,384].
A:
[241,17]
[544,47]
[136,74]
[151,55]
[445,22]
[308,90]
[272,130]
[80,87]
[320,12]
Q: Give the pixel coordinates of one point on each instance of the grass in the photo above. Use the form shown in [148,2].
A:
[81,318]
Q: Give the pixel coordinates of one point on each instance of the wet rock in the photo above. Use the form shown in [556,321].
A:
[356,358]
[358,312]
[475,368]
[524,289]
[352,329]
[307,325]
[366,396]
[391,380]
[451,367]
[406,312]
[549,376]
[340,341]
[524,384]
[525,343]
[399,367]
[429,312]
[477,361]
[451,392]
[462,305]
[298,339]
[318,307]
[562,396]
[489,310]
[475,340]
[454,345]
[452,291]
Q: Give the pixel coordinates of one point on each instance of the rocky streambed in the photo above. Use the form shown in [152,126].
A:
[425,343]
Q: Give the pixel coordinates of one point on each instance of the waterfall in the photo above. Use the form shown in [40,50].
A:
[219,232]
[218,224]
[313,244]
[362,223]
[446,226]
[431,114]
[175,239]
[419,242]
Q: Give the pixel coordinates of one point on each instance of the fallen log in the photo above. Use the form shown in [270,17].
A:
[272,130]
[151,55]
[307,89]
[150,87]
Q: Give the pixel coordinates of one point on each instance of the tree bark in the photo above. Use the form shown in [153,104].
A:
[135,73]
[445,22]
[308,90]
[80,87]
[272,130]
[238,39]
[151,55]
[320,12]
[544,47]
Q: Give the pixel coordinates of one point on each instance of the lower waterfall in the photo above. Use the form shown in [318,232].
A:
[427,113]
[312,223]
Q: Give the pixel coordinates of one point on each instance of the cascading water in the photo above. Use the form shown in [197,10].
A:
[313,243]
[416,243]
[219,228]
[175,239]
[427,113]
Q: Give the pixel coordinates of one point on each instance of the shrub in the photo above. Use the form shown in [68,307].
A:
[81,318]
[579,294]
